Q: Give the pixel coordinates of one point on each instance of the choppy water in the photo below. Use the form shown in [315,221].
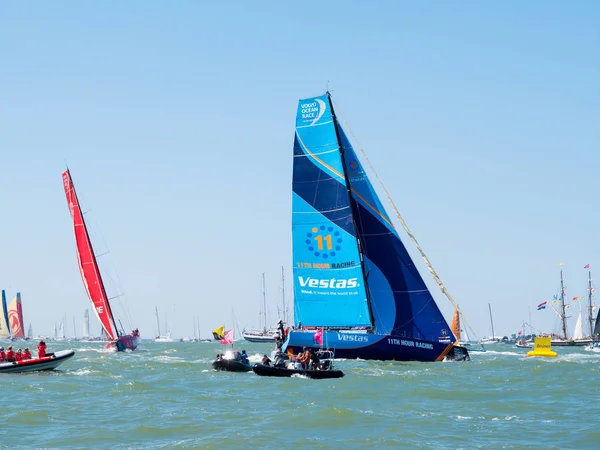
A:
[166,396]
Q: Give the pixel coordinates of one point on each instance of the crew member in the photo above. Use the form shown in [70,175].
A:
[26,354]
[41,349]
[266,360]
[10,355]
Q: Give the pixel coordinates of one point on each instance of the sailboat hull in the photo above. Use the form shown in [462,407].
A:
[126,342]
[571,342]
[383,347]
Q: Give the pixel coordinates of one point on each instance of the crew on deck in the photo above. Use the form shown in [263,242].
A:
[266,360]
[2,355]
[26,354]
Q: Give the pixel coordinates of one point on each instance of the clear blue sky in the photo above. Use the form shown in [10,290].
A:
[177,122]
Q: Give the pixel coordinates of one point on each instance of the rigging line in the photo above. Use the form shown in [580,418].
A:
[404,225]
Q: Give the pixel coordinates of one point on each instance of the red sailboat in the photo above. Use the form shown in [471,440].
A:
[90,273]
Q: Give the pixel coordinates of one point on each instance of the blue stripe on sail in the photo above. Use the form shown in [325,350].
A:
[5,312]
[328,282]
[394,282]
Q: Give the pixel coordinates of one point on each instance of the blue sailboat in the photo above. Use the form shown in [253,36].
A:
[353,278]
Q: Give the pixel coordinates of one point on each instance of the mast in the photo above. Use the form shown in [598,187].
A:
[563,316]
[283,296]
[74,329]
[93,255]
[352,208]
[591,304]
[491,321]
[264,302]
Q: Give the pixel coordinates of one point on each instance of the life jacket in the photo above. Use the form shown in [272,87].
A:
[26,355]
[2,356]
[41,350]
[18,356]
[10,356]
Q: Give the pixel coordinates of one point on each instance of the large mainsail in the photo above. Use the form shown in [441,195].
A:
[350,266]
[86,259]
[329,288]
[4,328]
[15,317]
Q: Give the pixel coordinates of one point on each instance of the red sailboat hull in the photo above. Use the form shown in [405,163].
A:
[123,343]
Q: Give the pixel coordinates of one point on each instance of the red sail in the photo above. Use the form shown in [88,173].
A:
[87,261]
[15,317]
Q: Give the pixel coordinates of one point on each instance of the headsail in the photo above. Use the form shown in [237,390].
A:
[350,266]
[15,317]
[86,324]
[4,328]
[86,259]
[455,326]
[578,332]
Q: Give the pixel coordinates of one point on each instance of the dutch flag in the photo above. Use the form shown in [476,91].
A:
[542,305]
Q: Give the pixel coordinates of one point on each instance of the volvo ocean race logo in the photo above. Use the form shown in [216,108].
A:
[312,111]
[332,283]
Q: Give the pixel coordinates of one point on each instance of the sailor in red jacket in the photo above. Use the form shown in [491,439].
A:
[41,349]
[19,355]
[10,355]
[2,355]
[27,354]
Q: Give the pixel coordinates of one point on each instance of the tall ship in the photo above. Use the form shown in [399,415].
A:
[90,274]
[356,289]
[579,338]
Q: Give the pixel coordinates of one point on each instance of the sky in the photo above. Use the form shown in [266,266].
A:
[177,123]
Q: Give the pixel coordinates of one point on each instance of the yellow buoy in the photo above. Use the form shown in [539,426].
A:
[542,346]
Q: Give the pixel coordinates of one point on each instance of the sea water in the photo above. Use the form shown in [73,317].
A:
[167,396]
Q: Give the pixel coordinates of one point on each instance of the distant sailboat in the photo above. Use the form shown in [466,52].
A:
[264,335]
[564,340]
[29,333]
[353,277]
[166,337]
[86,326]
[4,327]
[15,317]
[60,334]
[90,273]
[492,339]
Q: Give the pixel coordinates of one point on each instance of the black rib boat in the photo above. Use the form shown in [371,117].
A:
[270,371]
[231,365]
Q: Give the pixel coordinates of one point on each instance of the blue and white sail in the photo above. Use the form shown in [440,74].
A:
[351,270]
[329,289]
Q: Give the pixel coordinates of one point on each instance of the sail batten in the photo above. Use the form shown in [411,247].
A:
[88,266]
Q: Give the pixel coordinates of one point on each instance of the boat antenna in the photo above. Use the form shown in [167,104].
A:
[404,224]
